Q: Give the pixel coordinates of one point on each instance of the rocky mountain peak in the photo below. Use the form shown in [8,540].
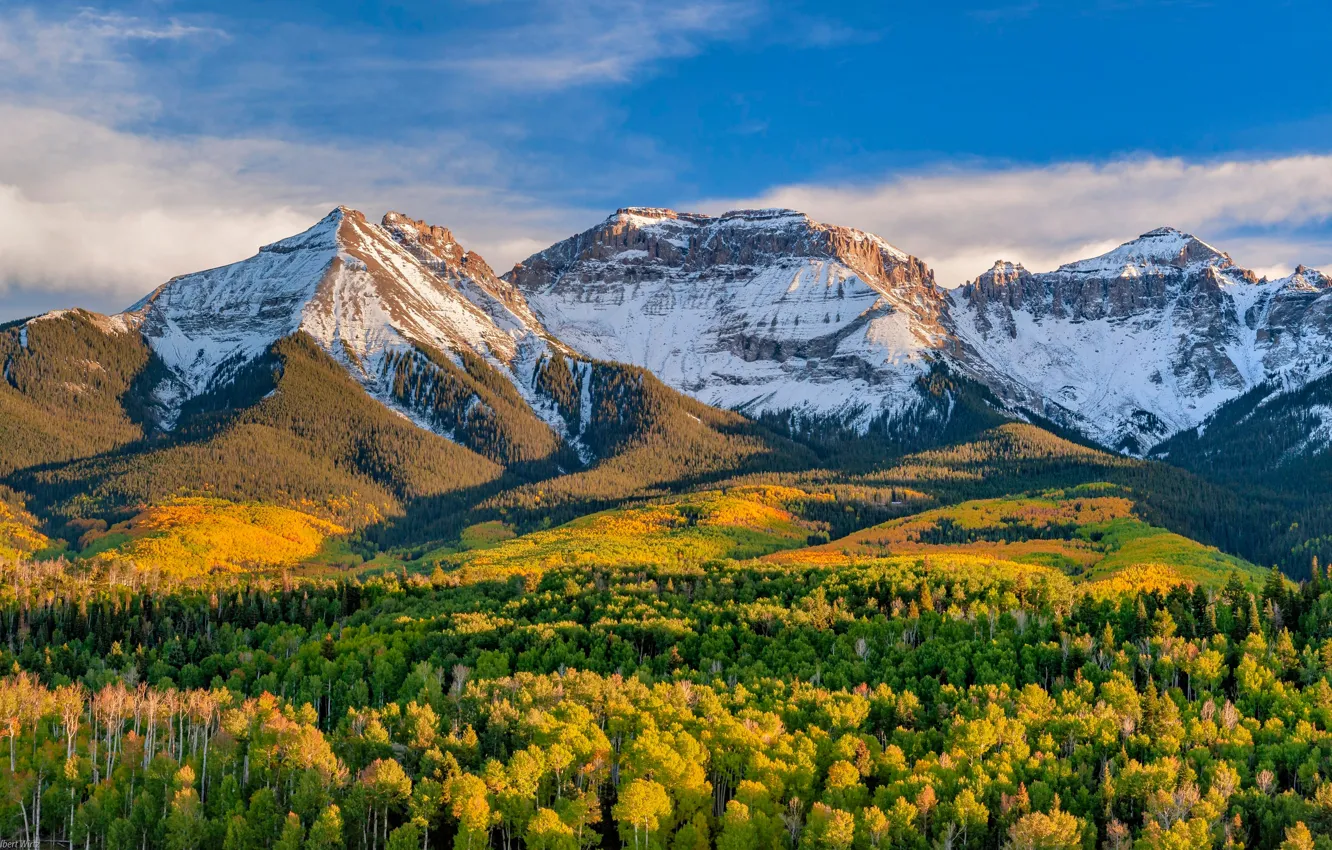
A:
[1002,272]
[648,216]
[321,236]
[433,243]
[365,292]
[1005,283]
[1305,279]
[754,309]
[1163,247]
[731,244]
[1143,341]
[409,231]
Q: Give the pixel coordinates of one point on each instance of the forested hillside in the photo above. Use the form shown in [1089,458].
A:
[86,448]
[293,429]
[72,388]
[909,701]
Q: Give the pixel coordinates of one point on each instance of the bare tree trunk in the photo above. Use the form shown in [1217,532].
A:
[203,774]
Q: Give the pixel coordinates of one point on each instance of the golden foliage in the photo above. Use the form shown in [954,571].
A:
[1135,578]
[18,533]
[195,536]
[737,523]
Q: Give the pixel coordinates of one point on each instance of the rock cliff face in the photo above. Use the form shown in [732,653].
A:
[756,310]
[1142,342]
[1291,319]
[464,270]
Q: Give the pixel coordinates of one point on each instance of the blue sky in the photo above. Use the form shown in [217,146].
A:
[155,138]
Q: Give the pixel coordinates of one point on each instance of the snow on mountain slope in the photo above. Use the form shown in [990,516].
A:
[1142,342]
[755,310]
[1150,253]
[363,291]
[763,311]
[1291,319]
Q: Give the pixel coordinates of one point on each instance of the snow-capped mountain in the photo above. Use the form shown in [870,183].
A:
[369,294]
[768,311]
[755,310]
[763,311]
[1142,342]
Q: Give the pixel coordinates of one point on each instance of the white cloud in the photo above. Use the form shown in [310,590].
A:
[89,210]
[94,216]
[961,220]
[566,43]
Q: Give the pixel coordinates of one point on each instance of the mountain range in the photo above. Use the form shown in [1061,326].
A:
[654,349]
[767,311]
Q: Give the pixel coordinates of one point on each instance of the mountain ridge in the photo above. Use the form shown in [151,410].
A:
[714,304]
[765,311]
[1145,341]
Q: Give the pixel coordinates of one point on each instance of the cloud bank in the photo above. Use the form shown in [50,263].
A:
[961,220]
[96,217]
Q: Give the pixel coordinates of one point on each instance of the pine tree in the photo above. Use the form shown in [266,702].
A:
[1141,622]
[1274,590]
[293,835]
[1201,605]
[1253,619]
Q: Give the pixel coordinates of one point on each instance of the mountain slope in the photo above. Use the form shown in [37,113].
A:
[293,428]
[1142,342]
[652,441]
[1273,433]
[755,310]
[74,385]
